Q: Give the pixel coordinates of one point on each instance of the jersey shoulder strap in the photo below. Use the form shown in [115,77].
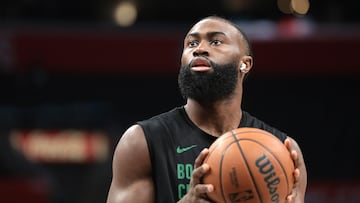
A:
[248,120]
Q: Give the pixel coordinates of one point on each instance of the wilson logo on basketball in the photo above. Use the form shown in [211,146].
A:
[272,181]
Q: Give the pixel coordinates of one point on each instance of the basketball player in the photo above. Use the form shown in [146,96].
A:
[161,159]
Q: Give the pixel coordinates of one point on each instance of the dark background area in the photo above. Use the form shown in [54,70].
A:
[67,65]
[162,11]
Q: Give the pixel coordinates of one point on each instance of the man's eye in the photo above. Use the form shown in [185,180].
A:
[193,43]
[216,42]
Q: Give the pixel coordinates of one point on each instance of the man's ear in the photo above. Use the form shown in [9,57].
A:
[246,64]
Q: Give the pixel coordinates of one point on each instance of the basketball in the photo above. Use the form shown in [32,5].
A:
[249,165]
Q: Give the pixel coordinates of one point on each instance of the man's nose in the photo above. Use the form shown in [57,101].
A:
[201,50]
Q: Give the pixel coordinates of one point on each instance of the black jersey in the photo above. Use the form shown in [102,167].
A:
[174,142]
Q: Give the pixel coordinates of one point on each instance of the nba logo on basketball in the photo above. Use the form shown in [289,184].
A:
[241,196]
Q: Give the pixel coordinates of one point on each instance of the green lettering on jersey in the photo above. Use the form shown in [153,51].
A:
[182,190]
[184,172]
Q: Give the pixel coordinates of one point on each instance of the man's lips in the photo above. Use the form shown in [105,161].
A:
[200,68]
[200,64]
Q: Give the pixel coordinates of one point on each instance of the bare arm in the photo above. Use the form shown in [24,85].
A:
[131,181]
[300,174]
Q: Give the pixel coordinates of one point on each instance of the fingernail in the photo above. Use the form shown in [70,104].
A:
[206,167]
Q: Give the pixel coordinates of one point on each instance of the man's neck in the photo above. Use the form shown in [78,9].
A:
[215,118]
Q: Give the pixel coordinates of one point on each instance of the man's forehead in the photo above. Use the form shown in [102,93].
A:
[212,25]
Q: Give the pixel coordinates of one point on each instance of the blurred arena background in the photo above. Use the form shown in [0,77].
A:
[75,74]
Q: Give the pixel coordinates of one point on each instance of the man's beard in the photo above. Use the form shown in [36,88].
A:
[209,87]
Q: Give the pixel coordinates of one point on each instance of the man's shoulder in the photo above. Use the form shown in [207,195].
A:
[169,115]
[249,120]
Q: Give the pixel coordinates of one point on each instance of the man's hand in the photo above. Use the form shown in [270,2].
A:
[197,191]
[300,176]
